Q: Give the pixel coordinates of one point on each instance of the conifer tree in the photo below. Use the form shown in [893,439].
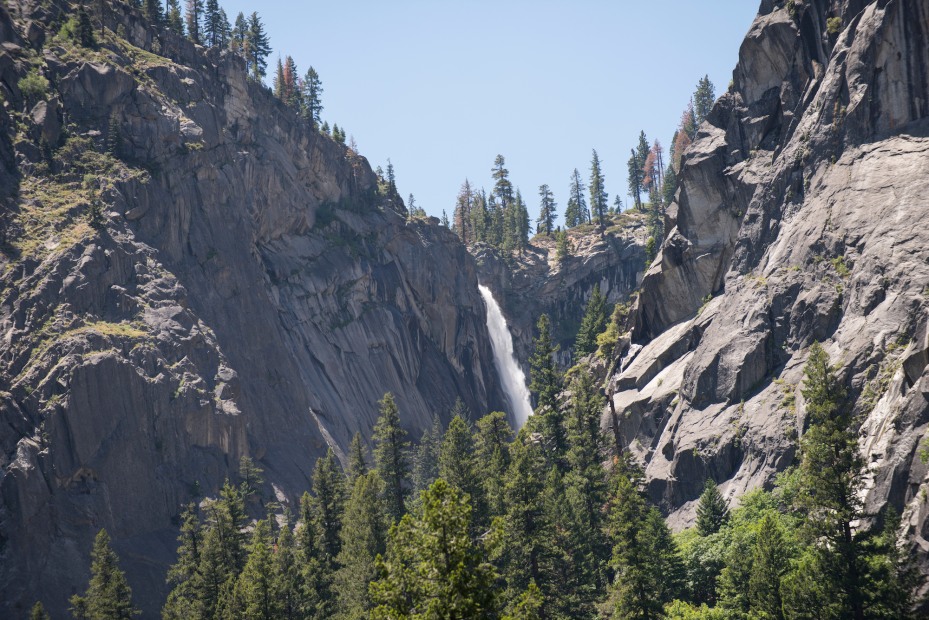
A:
[287,583]
[461,217]
[312,94]
[194,16]
[426,458]
[546,385]
[85,30]
[458,467]
[593,323]
[278,84]
[669,187]
[831,480]
[108,596]
[524,539]
[183,600]
[598,196]
[213,25]
[432,569]
[545,225]
[563,247]
[357,459]
[173,18]
[770,562]
[503,189]
[363,538]
[648,570]
[255,584]
[704,98]
[712,511]
[251,477]
[634,168]
[239,35]
[38,612]
[152,10]
[390,448]
[328,504]
[529,605]
[576,212]
[315,602]
[257,47]
[479,217]
[225,31]
[492,450]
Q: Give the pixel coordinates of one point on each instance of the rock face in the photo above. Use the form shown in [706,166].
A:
[535,283]
[191,274]
[799,219]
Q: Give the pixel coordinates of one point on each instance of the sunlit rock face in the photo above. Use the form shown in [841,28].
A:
[799,219]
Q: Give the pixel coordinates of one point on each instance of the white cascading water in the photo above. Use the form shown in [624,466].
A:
[511,375]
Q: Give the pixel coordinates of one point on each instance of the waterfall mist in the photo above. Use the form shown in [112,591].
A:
[511,375]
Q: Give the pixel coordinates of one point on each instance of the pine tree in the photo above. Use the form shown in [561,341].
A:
[831,480]
[635,180]
[426,458]
[770,562]
[546,385]
[704,98]
[593,323]
[239,35]
[480,221]
[503,189]
[194,16]
[648,570]
[461,218]
[108,596]
[586,487]
[38,612]
[287,582]
[173,17]
[432,569]
[256,582]
[182,601]
[316,600]
[363,538]
[251,477]
[225,31]
[85,30]
[390,448]
[152,10]
[598,196]
[563,247]
[524,537]
[257,47]
[213,24]
[312,93]
[278,84]
[529,606]
[357,459]
[328,504]
[712,511]
[459,468]
[669,187]
[576,212]
[492,451]
[546,223]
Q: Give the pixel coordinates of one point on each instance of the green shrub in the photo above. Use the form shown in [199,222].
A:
[34,86]
[834,25]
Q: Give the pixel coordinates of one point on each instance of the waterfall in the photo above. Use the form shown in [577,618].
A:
[511,375]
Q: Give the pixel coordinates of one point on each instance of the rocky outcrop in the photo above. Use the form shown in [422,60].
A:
[535,282]
[797,220]
[191,274]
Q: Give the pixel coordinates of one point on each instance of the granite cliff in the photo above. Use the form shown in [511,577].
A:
[191,274]
[799,218]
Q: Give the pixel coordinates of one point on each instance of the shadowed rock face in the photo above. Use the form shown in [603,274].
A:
[248,293]
[799,218]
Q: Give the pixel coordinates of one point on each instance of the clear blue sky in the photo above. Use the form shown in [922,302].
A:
[441,87]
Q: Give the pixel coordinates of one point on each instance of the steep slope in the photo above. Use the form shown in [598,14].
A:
[800,217]
[536,282]
[190,274]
